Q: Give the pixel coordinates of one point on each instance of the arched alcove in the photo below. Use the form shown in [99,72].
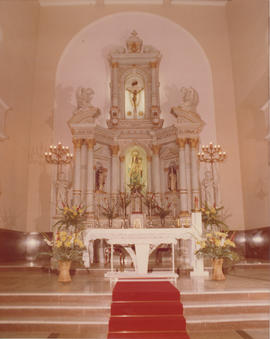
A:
[84,63]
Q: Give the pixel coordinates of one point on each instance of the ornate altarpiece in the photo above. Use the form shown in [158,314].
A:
[135,147]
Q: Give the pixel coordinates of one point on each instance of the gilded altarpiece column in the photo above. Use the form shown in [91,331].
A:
[188,173]
[77,171]
[156,168]
[194,174]
[115,86]
[122,174]
[90,177]
[115,169]
[83,171]
[149,174]
[183,177]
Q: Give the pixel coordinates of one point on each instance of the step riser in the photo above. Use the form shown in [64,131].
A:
[78,331]
[50,313]
[225,310]
[93,300]
[185,298]
[100,331]
[230,325]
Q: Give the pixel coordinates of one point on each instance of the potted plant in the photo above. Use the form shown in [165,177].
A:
[217,246]
[67,242]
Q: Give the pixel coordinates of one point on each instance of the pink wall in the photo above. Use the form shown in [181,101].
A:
[249,40]
[18,36]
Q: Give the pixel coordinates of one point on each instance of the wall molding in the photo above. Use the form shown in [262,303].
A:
[200,2]
[47,3]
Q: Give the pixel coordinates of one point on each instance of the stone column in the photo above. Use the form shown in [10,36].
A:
[183,177]
[194,175]
[149,172]
[153,71]
[83,171]
[156,169]
[77,171]
[90,176]
[188,172]
[115,169]
[122,174]
[115,84]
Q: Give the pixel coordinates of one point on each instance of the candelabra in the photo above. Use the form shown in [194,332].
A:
[212,154]
[58,155]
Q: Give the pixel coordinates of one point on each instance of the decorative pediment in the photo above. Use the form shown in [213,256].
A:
[134,46]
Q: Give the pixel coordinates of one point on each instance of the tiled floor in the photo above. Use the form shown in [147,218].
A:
[14,280]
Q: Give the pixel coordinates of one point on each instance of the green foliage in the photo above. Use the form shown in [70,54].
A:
[211,216]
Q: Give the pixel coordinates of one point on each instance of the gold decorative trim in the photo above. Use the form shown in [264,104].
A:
[181,142]
[184,214]
[90,143]
[153,64]
[156,149]
[193,142]
[77,143]
[114,149]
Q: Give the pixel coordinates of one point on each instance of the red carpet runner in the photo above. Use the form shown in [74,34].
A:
[146,310]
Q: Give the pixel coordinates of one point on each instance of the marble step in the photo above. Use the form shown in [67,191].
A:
[226,307]
[53,329]
[225,296]
[227,321]
[55,299]
[81,312]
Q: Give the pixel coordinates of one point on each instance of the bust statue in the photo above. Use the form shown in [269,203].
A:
[84,98]
[189,99]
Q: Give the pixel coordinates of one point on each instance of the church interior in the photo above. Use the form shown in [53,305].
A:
[135,134]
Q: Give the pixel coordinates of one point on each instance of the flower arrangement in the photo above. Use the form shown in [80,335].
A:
[211,216]
[217,245]
[66,245]
[67,242]
[71,216]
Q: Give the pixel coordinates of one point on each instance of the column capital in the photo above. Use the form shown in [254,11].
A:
[90,143]
[77,143]
[181,142]
[193,142]
[153,64]
[114,149]
[114,64]
[156,149]
[149,158]
[122,158]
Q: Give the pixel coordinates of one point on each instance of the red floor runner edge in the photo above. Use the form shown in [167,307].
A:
[146,310]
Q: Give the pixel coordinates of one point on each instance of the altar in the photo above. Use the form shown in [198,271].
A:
[146,240]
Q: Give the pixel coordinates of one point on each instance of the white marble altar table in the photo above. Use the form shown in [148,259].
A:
[145,240]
